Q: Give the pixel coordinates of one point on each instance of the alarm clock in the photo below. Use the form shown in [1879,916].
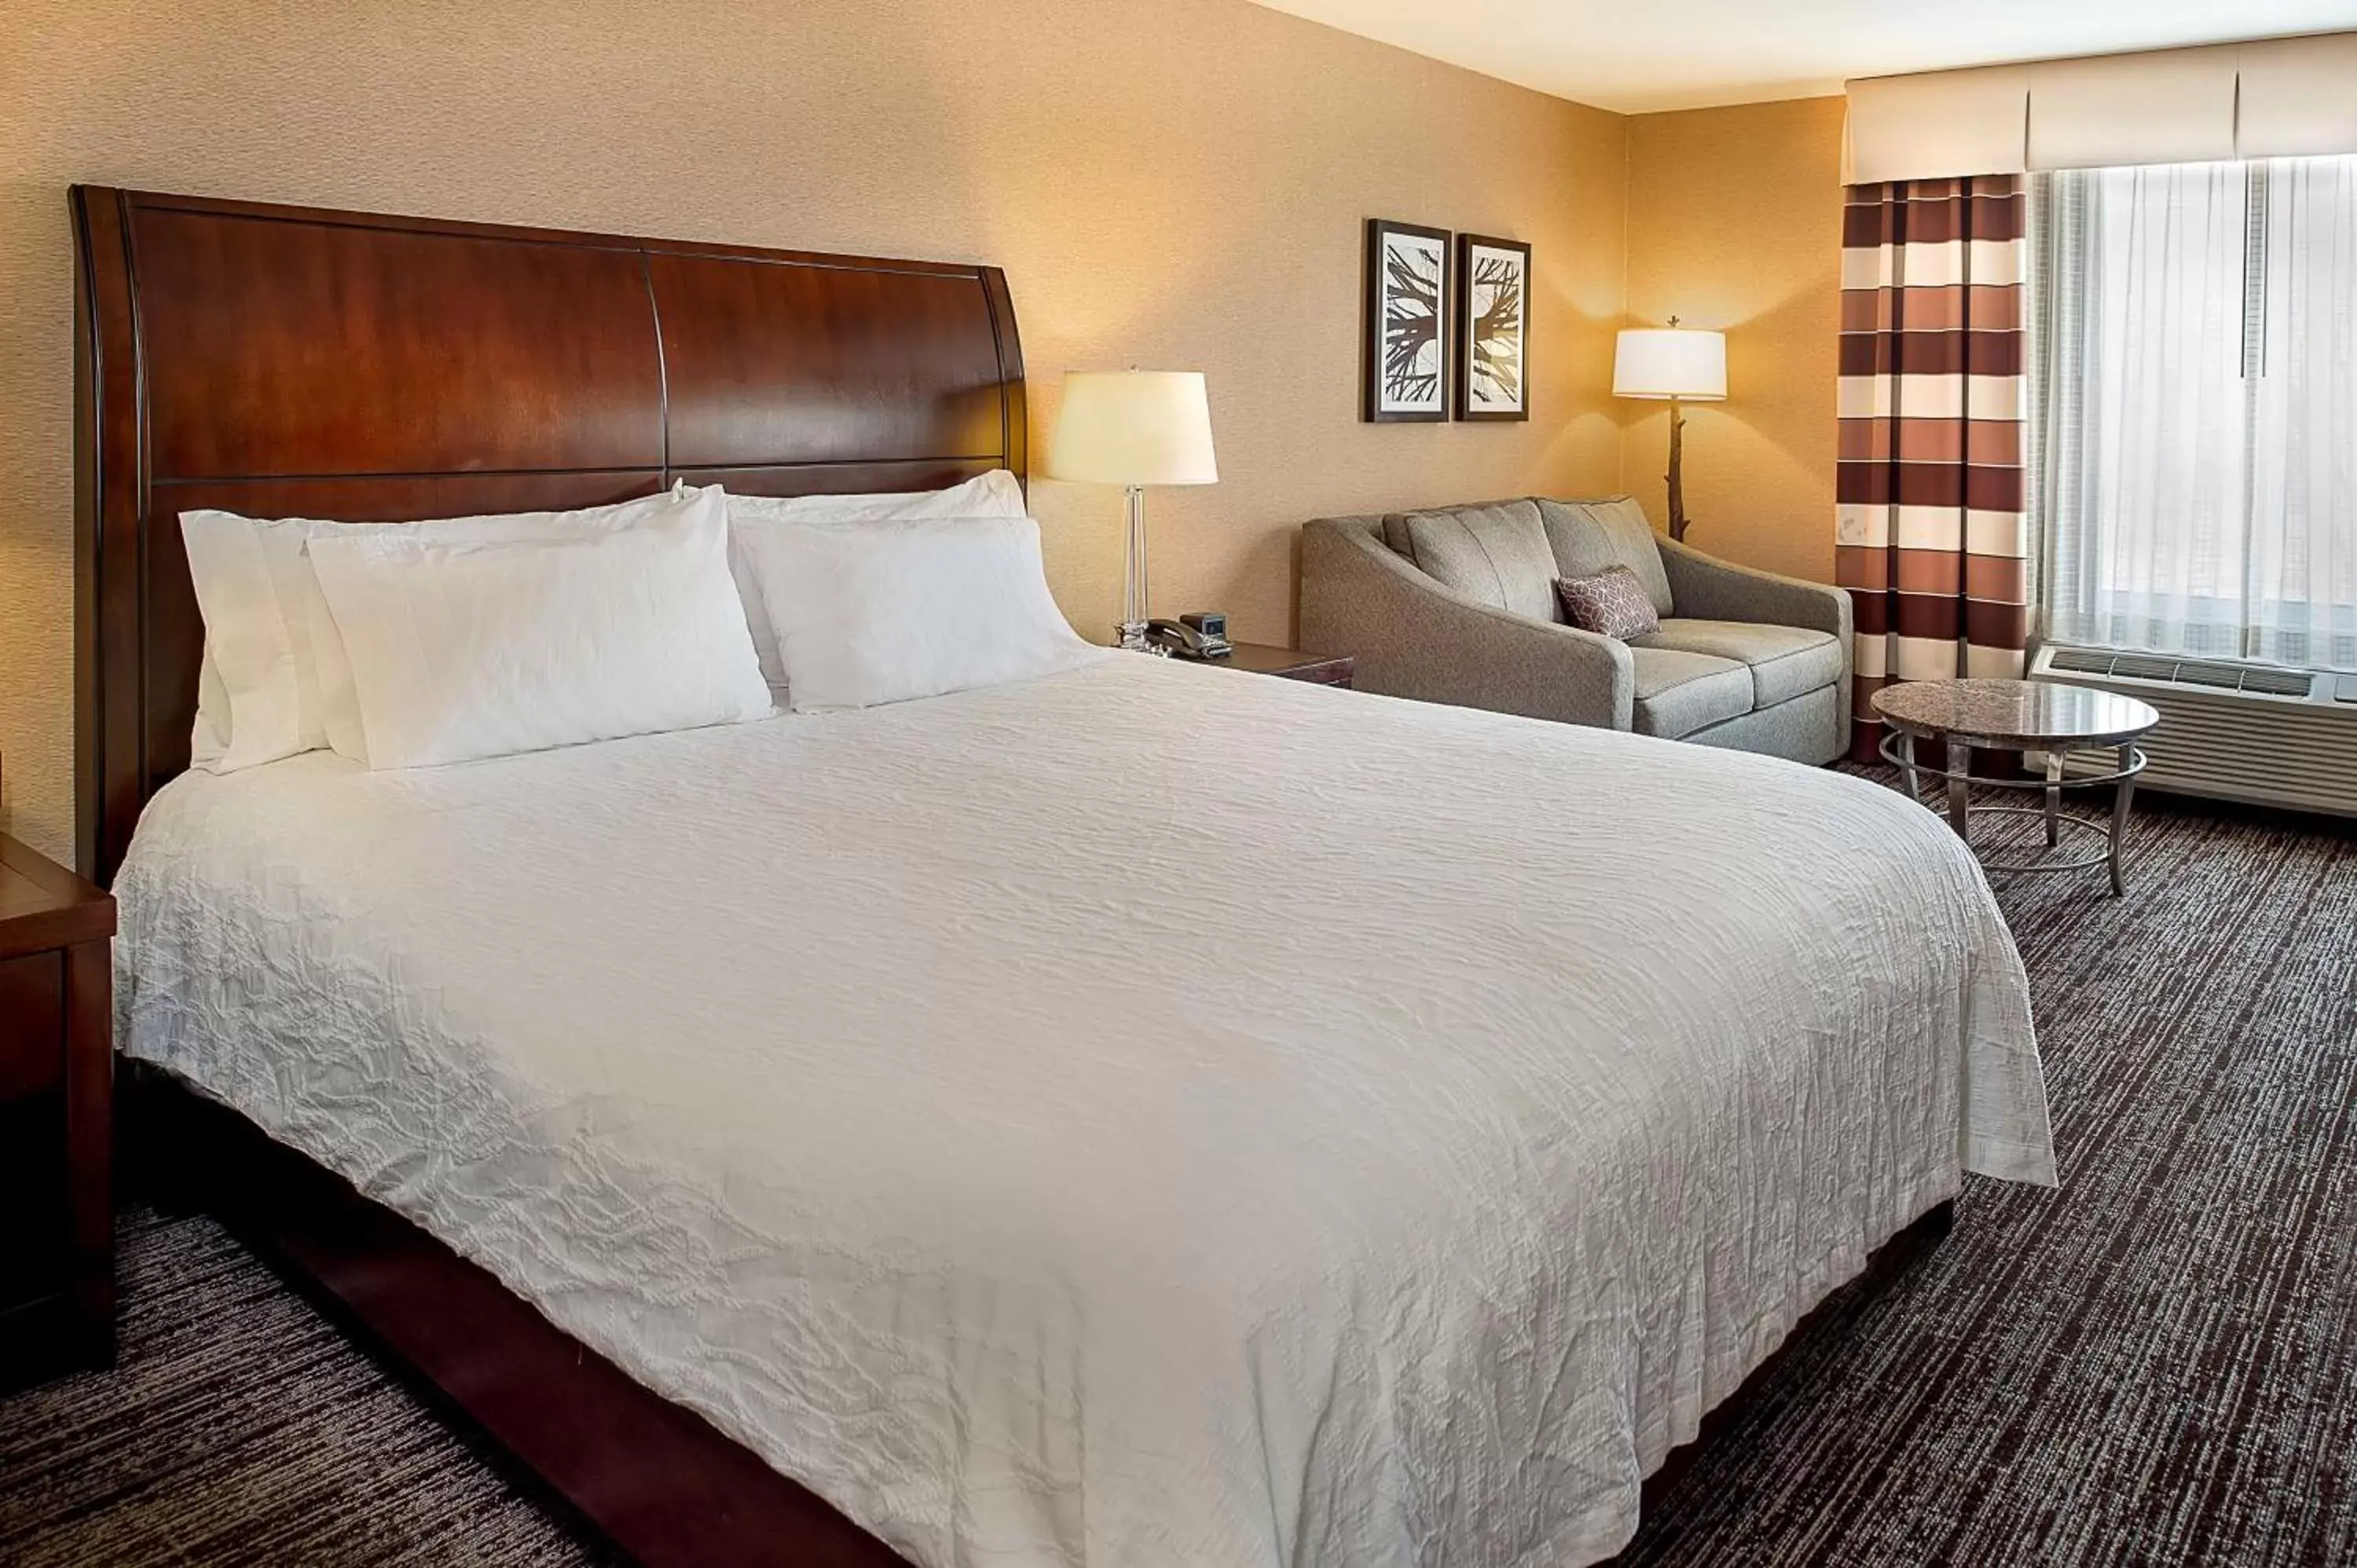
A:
[1212,624]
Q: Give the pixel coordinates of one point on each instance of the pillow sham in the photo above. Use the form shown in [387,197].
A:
[266,707]
[274,678]
[210,741]
[910,608]
[463,649]
[994,494]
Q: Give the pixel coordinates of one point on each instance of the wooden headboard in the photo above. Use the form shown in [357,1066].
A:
[286,361]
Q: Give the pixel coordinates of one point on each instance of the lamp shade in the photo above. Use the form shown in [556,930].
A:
[1133,427]
[1670,361]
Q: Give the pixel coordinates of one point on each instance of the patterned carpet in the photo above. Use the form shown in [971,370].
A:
[239,1427]
[2158,1365]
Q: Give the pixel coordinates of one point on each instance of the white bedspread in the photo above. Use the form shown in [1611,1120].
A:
[1148,1115]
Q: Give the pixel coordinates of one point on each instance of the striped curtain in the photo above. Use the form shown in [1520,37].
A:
[1932,543]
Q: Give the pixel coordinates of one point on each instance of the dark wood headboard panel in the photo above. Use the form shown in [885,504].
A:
[291,362]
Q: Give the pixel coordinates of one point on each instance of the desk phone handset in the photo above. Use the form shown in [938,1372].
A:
[1201,635]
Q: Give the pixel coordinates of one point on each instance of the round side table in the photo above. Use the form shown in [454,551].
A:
[2021,715]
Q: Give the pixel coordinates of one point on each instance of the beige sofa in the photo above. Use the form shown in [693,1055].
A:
[1457,604]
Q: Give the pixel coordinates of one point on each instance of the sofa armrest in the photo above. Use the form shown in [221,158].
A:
[1411,636]
[1707,588]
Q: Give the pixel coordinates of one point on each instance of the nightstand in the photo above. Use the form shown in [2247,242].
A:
[57,1083]
[1290,663]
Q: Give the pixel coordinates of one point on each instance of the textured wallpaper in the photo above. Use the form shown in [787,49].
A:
[1173,184]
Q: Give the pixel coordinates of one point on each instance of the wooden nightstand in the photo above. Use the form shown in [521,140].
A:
[1290,663]
[57,1085]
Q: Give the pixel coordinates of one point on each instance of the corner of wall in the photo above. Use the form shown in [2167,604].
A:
[1628,265]
[1733,220]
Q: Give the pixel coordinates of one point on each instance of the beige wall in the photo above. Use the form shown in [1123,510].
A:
[1734,222]
[1168,183]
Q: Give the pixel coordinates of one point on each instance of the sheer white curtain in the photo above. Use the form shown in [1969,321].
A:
[2303,602]
[2194,378]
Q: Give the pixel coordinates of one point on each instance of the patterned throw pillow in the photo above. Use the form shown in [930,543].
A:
[1613,603]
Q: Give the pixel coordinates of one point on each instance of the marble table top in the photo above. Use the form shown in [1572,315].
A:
[2025,714]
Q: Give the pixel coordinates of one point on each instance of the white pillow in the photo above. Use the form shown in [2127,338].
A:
[462,649]
[910,608]
[995,494]
[274,680]
[331,666]
[209,742]
[238,567]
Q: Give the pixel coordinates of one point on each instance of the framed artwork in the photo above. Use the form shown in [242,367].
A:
[1406,353]
[1493,325]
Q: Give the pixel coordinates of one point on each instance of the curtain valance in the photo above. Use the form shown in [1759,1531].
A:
[2274,98]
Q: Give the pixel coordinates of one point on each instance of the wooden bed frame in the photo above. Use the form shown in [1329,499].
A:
[284,362]
[289,361]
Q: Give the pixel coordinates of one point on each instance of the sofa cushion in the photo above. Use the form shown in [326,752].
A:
[1394,524]
[1589,536]
[1497,554]
[1679,693]
[1786,662]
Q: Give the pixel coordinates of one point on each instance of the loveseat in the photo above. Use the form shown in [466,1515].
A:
[1458,605]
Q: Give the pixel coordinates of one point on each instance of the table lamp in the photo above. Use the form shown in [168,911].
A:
[1679,363]
[1133,428]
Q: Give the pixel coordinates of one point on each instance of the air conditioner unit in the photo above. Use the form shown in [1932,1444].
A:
[2229,730]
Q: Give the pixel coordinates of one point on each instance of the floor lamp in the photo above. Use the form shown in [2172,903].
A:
[1679,363]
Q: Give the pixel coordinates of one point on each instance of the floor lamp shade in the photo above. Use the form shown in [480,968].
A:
[1671,361]
[1133,428]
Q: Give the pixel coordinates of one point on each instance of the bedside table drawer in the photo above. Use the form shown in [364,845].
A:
[36,1252]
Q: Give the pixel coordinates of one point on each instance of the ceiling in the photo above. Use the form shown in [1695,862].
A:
[1637,56]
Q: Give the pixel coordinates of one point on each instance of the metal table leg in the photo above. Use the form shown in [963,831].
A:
[1960,763]
[2126,790]
[1907,765]
[2053,797]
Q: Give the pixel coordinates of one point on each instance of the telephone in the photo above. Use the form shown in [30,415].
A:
[1201,635]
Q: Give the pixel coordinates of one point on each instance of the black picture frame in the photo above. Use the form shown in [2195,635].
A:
[1481,371]
[1392,380]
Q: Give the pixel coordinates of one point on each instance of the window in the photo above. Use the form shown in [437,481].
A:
[2194,407]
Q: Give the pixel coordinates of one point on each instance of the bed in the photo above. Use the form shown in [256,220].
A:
[1146,1114]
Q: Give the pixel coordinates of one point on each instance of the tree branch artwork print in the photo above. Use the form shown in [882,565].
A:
[1497,334]
[1493,302]
[1410,325]
[1407,348]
